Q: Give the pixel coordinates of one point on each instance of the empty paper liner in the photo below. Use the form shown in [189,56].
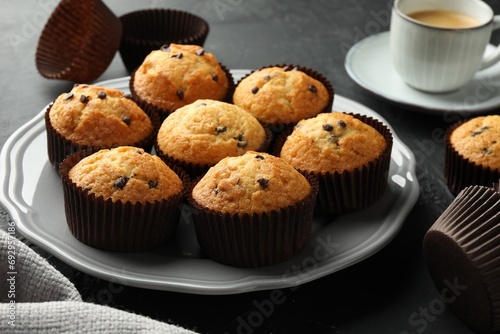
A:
[78,41]
[147,30]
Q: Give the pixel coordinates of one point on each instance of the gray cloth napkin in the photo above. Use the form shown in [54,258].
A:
[36,298]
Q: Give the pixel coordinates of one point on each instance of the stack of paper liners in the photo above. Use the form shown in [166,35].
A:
[462,249]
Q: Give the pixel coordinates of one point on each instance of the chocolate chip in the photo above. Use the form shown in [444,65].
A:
[288,68]
[84,99]
[242,143]
[68,96]
[220,129]
[313,89]
[101,95]
[478,132]
[264,183]
[152,184]
[177,56]
[126,120]
[267,77]
[138,152]
[200,52]
[255,90]
[341,123]
[215,77]
[165,48]
[202,105]
[180,94]
[121,182]
[259,157]
[327,127]
[486,151]
[334,139]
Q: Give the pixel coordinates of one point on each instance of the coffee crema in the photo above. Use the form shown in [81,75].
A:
[445,19]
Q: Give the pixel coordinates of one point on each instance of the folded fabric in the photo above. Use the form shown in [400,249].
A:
[31,277]
[36,298]
[79,317]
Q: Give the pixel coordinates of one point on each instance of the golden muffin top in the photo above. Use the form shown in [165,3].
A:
[178,75]
[100,117]
[124,174]
[254,182]
[332,142]
[278,95]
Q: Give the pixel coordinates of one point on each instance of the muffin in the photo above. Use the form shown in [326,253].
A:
[349,154]
[93,117]
[148,29]
[122,199]
[462,254]
[199,135]
[283,95]
[79,41]
[177,75]
[472,153]
[253,210]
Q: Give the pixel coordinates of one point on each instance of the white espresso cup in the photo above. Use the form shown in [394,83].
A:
[438,59]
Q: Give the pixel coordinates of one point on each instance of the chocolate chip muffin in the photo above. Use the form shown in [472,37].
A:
[126,174]
[347,153]
[473,153]
[253,210]
[177,75]
[284,95]
[199,135]
[95,117]
[121,199]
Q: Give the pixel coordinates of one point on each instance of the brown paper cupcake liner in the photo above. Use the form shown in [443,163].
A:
[58,147]
[78,41]
[147,30]
[346,192]
[255,240]
[195,170]
[463,248]
[118,226]
[460,172]
[151,109]
[278,128]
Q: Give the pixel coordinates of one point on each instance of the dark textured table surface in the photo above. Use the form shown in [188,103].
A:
[390,292]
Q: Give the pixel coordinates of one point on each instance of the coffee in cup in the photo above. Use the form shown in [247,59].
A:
[437,46]
[445,19]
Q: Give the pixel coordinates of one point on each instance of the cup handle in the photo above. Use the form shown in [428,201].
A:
[495,56]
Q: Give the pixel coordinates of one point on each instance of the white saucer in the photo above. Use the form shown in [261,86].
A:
[368,63]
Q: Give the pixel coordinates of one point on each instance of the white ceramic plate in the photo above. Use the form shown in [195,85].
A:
[31,192]
[369,64]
